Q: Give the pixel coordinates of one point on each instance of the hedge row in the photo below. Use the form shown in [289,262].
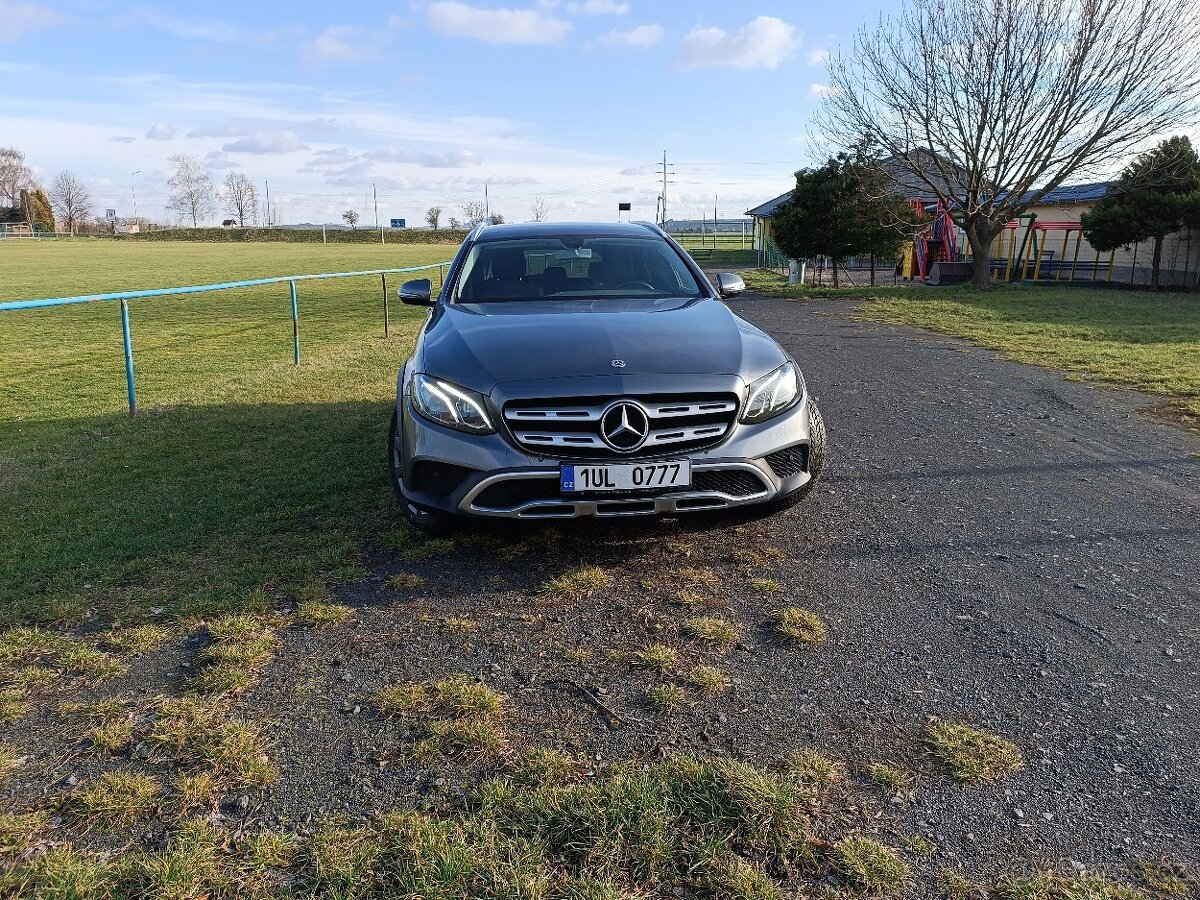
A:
[287,235]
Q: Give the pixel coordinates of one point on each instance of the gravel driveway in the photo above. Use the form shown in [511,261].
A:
[996,542]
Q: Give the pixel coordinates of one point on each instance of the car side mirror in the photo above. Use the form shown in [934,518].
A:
[418,292]
[730,284]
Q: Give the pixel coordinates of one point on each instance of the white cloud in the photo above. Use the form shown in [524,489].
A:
[818,90]
[453,159]
[189,29]
[342,43]
[763,43]
[818,57]
[215,159]
[496,26]
[641,38]
[161,131]
[599,8]
[122,139]
[18,18]
[266,142]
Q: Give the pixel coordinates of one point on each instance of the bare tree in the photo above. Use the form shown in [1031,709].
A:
[988,105]
[71,201]
[475,212]
[539,210]
[351,217]
[15,176]
[455,224]
[433,216]
[496,219]
[192,195]
[241,198]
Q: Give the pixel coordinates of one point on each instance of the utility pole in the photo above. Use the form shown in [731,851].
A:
[133,193]
[665,172]
[487,206]
[378,224]
[267,185]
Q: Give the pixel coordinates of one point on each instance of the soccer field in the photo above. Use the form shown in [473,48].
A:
[241,469]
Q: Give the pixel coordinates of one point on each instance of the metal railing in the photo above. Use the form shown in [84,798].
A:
[125,296]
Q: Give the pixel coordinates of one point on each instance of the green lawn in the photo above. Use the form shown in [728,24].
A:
[1148,341]
[242,471]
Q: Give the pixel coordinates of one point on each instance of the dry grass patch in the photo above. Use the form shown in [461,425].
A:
[466,737]
[697,576]
[713,630]
[766,585]
[12,705]
[92,664]
[973,756]
[17,830]
[578,584]
[242,646]
[888,777]
[195,791]
[870,865]
[707,679]
[757,557]
[405,581]
[688,597]
[117,799]
[954,885]
[541,766]
[813,768]
[918,845]
[197,732]
[665,697]
[322,614]
[403,699]
[578,654]
[656,656]
[1052,886]
[802,625]
[465,696]
[1166,878]
[458,625]
[31,678]
[136,639]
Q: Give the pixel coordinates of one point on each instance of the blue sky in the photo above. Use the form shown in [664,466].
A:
[570,100]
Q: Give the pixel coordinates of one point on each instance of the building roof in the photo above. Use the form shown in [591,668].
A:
[1073,193]
[766,210]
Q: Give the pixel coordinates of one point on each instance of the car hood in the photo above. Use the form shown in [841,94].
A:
[482,345]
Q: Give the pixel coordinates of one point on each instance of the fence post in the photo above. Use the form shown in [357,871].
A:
[127,340]
[383,278]
[295,325]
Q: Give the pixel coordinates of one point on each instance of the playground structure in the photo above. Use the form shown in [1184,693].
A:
[1023,251]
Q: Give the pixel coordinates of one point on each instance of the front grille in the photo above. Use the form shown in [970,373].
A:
[437,478]
[514,491]
[569,428]
[789,462]
[734,482]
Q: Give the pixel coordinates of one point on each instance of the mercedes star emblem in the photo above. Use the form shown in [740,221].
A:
[625,426]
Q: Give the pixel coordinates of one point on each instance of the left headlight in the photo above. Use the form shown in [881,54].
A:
[774,393]
[448,404]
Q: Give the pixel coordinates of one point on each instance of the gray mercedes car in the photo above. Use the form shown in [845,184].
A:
[571,370]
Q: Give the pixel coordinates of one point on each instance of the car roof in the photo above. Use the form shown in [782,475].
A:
[487,233]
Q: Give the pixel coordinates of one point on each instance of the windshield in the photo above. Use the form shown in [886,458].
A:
[592,268]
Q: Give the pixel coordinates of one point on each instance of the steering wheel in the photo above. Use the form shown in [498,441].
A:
[636,284]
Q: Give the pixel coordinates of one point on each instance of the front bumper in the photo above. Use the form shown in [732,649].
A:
[473,475]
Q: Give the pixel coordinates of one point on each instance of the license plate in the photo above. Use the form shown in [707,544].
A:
[626,476]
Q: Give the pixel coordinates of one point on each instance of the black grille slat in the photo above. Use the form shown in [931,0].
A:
[437,478]
[789,462]
[734,482]
[515,491]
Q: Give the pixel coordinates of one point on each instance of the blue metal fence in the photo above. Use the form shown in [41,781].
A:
[125,296]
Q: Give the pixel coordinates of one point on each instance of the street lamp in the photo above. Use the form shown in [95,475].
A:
[133,193]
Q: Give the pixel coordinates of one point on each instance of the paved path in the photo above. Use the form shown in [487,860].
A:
[995,540]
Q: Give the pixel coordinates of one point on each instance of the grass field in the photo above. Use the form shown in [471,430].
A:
[1137,339]
[213,492]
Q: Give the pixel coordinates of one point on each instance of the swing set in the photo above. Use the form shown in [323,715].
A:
[1035,260]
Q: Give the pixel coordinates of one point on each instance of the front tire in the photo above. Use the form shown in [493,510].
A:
[422,518]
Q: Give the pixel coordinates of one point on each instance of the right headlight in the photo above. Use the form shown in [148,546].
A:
[774,393]
[449,404]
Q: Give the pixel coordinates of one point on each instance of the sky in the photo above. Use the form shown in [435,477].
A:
[573,101]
